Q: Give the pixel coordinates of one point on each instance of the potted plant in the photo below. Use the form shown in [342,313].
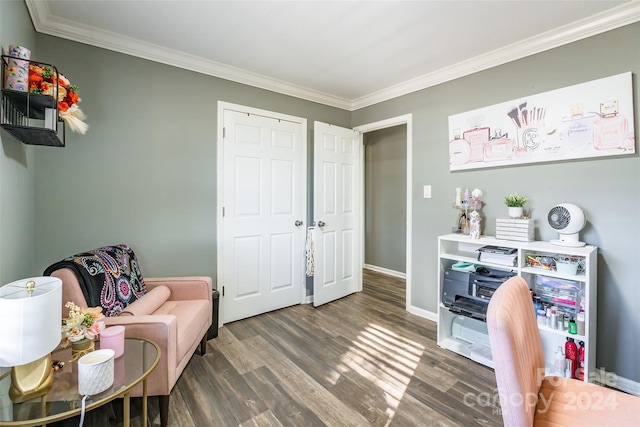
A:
[515,202]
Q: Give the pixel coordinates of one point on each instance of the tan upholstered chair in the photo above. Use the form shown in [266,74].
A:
[527,396]
[175,313]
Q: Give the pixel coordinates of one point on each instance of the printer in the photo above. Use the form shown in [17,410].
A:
[468,292]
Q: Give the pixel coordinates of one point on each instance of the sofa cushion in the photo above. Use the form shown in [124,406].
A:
[149,303]
[189,314]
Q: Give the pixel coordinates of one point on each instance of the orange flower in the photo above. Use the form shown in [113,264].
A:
[72,97]
[35,78]
[63,106]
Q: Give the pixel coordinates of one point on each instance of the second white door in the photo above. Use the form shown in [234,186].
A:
[336,213]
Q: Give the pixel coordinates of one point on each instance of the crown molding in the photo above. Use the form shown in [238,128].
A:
[611,19]
[44,22]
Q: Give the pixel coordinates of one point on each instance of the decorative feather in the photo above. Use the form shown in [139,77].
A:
[74,117]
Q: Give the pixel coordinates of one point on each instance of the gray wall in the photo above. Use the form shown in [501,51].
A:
[145,172]
[607,189]
[17,166]
[385,199]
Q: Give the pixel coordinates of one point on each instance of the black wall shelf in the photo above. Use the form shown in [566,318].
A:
[23,113]
[35,136]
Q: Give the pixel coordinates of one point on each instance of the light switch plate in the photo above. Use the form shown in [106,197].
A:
[427,191]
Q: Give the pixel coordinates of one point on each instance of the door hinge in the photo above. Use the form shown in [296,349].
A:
[223,291]
[223,212]
[224,132]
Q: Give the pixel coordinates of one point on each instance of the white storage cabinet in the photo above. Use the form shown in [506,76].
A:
[453,248]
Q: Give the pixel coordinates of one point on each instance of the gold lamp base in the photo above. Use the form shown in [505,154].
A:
[31,380]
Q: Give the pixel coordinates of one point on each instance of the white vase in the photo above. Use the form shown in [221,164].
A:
[515,212]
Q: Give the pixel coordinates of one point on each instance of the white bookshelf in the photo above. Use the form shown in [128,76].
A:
[453,248]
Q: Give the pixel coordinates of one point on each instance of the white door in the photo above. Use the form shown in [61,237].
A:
[336,213]
[264,196]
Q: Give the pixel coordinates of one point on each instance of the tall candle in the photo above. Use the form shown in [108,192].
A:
[458,196]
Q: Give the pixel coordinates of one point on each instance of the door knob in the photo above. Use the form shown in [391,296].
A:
[298,223]
[321,224]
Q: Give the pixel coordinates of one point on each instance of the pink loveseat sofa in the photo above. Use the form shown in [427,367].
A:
[175,313]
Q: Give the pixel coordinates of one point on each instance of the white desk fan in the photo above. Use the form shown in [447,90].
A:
[568,219]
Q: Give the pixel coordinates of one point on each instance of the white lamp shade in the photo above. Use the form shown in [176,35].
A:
[29,324]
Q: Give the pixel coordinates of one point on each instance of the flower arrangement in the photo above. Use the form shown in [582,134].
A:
[44,80]
[82,324]
[515,200]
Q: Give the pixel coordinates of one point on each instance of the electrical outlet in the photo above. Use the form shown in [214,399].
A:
[426,191]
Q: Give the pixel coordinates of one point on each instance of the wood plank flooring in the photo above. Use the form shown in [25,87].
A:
[359,361]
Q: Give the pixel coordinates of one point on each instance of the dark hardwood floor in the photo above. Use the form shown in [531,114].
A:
[359,361]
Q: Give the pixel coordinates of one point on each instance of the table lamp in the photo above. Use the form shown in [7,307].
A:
[30,319]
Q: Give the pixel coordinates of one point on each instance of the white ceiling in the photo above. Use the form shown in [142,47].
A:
[348,54]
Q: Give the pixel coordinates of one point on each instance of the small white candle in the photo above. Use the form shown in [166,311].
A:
[95,372]
[94,359]
[458,196]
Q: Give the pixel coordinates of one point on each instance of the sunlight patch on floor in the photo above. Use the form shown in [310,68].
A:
[386,360]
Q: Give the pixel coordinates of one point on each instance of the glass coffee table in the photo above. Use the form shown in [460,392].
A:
[63,400]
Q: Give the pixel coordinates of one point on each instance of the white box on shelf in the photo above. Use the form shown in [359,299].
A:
[514,229]
[515,222]
[504,235]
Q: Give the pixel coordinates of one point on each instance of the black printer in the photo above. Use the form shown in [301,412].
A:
[468,293]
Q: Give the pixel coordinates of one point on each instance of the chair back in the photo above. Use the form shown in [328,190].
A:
[517,351]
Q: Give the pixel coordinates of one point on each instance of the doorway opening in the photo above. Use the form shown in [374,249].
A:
[385,200]
[401,125]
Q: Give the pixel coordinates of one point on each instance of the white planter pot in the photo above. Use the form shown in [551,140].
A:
[515,212]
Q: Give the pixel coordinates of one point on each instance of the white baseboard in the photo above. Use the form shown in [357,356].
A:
[617,382]
[308,299]
[423,313]
[386,271]
[629,386]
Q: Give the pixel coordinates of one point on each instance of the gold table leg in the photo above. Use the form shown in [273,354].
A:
[144,402]
[43,407]
[126,410]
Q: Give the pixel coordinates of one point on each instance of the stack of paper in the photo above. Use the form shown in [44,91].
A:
[498,255]
[503,259]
